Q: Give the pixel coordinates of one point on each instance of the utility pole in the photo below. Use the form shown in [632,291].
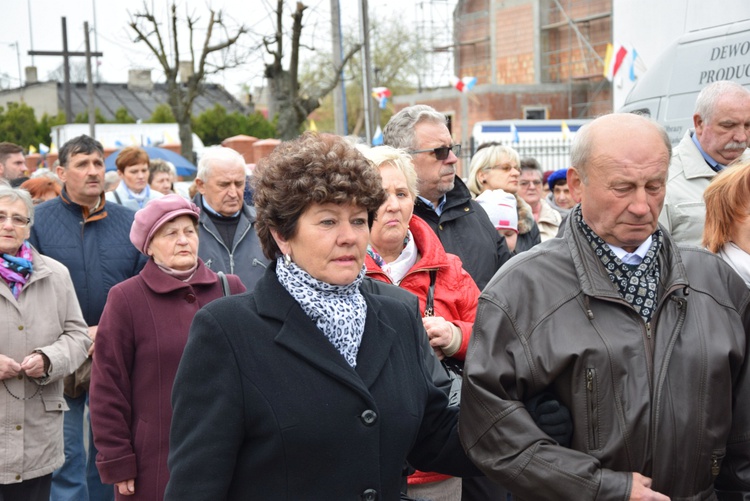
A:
[66,54]
[339,92]
[366,77]
[89,82]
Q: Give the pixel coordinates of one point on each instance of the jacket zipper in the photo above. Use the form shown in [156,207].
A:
[591,392]
[234,244]
[655,391]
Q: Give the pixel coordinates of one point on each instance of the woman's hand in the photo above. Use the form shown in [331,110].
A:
[442,334]
[33,365]
[8,367]
[126,487]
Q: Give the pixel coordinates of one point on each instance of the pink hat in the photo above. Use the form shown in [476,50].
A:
[501,207]
[155,214]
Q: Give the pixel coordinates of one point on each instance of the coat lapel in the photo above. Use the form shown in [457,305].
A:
[376,343]
[299,334]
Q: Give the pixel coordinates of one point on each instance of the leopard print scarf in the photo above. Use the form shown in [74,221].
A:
[338,310]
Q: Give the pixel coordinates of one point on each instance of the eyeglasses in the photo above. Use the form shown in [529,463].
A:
[17,221]
[524,184]
[441,152]
[505,168]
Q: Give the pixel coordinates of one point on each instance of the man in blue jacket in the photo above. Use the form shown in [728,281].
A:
[91,238]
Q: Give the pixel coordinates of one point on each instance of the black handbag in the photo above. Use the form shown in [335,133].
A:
[453,367]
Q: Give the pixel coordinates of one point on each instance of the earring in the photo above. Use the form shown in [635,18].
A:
[287,260]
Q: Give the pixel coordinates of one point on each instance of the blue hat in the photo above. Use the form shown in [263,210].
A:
[556,176]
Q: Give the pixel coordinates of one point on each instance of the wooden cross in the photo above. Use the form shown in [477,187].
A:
[66,54]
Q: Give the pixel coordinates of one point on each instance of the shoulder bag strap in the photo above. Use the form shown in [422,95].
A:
[429,309]
[224,283]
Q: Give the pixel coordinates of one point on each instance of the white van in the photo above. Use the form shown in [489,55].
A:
[667,91]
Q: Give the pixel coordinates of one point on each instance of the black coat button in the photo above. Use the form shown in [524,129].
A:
[369,417]
[370,495]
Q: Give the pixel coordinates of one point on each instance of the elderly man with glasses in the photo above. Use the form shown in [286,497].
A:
[444,201]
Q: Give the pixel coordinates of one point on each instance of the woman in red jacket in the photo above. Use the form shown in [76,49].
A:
[406,252]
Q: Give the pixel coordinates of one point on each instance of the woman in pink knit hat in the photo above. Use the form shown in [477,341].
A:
[140,340]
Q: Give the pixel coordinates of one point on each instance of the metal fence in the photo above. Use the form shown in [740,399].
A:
[551,153]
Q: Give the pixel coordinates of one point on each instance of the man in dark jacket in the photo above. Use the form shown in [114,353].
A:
[228,241]
[646,344]
[91,238]
[444,201]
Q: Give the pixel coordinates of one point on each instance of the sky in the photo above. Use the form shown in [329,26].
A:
[37,24]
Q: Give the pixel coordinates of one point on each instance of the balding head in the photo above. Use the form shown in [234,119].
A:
[619,174]
[613,127]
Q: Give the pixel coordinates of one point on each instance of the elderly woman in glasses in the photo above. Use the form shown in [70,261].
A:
[43,339]
[309,387]
[497,167]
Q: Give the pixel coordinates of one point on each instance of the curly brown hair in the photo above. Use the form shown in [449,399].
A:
[312,169]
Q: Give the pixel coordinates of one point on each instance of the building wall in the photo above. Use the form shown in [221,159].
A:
[524,54]
[40,96]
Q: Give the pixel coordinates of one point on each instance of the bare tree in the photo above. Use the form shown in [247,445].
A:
[182,95]
[77,72]
[292,105]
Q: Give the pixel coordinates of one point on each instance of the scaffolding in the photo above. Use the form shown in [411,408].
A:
[574,37]
[434,28]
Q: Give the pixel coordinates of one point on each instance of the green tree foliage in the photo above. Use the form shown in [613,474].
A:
[123,117]
[215,125]
[18,125]
[162,115]
[83,117]
[44,127]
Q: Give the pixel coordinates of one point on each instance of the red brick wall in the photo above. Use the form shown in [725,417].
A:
[515,44]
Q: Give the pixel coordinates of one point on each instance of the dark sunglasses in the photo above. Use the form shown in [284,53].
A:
[441,152]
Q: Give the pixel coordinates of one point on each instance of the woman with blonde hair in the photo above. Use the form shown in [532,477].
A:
[404,251]
[727,228]
[495,166]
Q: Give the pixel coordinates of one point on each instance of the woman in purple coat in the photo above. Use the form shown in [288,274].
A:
[140,340]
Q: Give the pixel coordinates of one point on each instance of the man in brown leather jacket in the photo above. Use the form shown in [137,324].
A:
[645,343]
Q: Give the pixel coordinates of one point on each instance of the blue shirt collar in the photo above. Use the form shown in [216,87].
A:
[439,209]
[710,161]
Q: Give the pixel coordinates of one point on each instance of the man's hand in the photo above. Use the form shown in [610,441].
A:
[126,487]
[92,335]
[641,490]
[8,367]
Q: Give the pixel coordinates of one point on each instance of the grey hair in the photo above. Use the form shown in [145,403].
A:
[16,194]
[399,132]
[582,147]
[485,159]
[217,155]
[705,104]
[400,159]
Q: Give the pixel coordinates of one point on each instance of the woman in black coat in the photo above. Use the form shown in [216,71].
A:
[308,387]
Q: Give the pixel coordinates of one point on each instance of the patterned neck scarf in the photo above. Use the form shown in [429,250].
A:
[638,285]
[16,270]
[338,310]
